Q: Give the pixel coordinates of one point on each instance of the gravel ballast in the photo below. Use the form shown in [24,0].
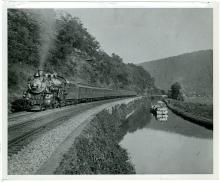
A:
[36,153]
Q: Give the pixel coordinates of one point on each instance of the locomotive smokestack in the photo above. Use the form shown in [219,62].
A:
[39,73]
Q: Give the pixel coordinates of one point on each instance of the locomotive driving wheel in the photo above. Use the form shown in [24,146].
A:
[42,107]
[55,103]
[42,104]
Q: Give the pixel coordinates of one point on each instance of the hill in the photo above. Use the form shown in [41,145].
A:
[60,43]
[193,70]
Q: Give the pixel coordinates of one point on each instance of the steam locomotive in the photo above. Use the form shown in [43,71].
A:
[49,90]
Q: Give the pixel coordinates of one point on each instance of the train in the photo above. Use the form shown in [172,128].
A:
[49,90]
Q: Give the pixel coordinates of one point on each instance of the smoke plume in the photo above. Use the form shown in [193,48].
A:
[46,19]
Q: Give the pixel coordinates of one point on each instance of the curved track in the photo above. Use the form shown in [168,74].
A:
[18,114]
[38,143]
[32,125]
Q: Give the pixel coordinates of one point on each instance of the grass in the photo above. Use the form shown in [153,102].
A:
[96,149]
[202,100]
[197,109]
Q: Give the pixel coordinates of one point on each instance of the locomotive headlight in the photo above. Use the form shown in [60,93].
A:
[48,96]
[48,99]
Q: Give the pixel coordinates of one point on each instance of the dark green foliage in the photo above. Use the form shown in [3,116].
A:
[102,69]
[23,51]
[96,150]
[169,93]
[139,78]
[197,109]
[23,38]
[12,79]
[176,92]
[175,89]
[19,105]
[101,154]
[72,53]
[71,36]
[194,70]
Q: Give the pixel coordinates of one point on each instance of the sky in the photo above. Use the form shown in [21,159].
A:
[140,35]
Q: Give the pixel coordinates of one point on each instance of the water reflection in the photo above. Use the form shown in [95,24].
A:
[138,120]
[158,152]
[142,118]
[175,146]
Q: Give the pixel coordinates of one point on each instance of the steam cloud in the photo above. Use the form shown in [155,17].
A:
[46,19]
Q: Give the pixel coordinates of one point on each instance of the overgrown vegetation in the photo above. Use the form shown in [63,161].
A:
[197,109]
[96,149]
[78,55]
[73,53]
[23,54]
[176,92]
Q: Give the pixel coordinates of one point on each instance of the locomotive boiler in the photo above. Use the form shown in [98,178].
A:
[49,90]
[45,90]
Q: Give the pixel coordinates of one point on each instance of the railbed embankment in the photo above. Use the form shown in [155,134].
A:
[96,150]
[200,114]
[32,157]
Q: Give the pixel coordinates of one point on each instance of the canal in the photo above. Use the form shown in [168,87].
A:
[175,146]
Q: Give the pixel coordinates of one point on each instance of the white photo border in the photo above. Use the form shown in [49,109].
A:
[108,4]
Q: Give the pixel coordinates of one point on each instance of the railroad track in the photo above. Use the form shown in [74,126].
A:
[19,114]
[21,134]
[15,144]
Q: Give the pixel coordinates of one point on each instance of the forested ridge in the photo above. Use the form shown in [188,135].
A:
[194,71]
[66,48]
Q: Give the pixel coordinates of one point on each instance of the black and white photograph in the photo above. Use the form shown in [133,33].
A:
[113,91]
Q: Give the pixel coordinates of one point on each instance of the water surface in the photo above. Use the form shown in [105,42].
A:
[175,146]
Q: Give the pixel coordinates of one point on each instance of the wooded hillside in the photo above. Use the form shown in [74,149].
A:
[60,43]
[194,71]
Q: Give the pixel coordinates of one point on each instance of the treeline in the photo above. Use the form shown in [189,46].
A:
[23,50]
[74,53]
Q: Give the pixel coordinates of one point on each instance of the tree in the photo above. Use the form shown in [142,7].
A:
[23,38]
[175,90]
[65,48]
[23,48]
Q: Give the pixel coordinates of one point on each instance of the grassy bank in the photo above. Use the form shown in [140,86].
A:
[96,149]
[197,112]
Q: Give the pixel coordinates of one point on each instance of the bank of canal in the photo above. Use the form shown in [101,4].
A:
[96,150]
[175,146]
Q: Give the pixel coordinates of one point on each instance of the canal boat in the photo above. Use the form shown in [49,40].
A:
[162,117]
[160,111]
